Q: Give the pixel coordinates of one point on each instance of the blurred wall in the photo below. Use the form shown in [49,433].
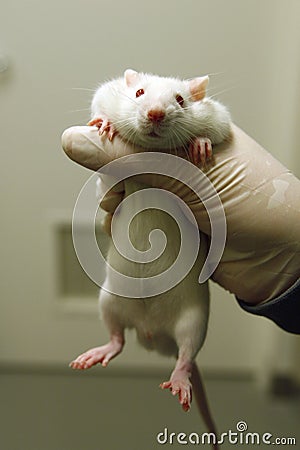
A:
[251,50]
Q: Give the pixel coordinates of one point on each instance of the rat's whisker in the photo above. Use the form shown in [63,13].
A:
[222,92]
[124,95]
[82,89]
[78,110]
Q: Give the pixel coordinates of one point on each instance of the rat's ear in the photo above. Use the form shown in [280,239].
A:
[131,77]
[197,88]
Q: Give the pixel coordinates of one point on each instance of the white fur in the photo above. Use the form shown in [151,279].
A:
[117,101]
[176,318]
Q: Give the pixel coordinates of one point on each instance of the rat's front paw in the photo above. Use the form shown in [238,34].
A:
[104,126]
[200,150]
[183,388]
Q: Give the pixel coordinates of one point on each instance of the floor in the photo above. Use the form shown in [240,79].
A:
[95,410]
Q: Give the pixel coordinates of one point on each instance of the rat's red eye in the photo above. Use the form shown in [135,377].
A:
[139,93]
[179,100]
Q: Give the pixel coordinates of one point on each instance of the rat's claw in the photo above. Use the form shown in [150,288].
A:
[95,122]
[166,385]
[200,150]
[205,149]
[104,127]
[111,134]
[108,128]
[186,406]
[184,390]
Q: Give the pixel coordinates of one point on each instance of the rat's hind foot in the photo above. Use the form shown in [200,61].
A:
[97,355]
[200,150]
[183,388]
[104,126]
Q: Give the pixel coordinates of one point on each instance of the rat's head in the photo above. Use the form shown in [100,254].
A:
[158,112]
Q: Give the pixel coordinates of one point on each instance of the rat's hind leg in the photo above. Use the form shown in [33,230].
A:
[101,354]
[189,335]
[179,382]
[105,353]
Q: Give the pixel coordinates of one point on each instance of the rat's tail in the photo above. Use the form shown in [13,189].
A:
[202,403]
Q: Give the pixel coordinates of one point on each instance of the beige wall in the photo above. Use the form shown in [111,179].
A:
[250,47]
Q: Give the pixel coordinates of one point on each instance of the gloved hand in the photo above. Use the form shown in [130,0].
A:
[261,199]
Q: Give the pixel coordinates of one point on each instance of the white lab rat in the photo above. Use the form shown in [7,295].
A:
[159,113]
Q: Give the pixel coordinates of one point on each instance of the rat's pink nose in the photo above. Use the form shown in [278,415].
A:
[156,115]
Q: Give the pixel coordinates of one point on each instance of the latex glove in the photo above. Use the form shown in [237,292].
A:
[261,199]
